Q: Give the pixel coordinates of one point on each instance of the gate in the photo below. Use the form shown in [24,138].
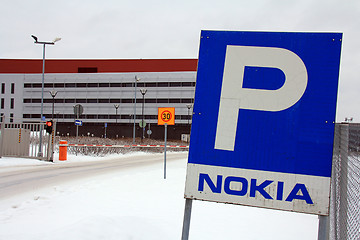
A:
[24,140]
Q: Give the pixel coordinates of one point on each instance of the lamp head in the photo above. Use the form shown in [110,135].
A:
[53,93]
[35,38]
[56,39]
[143,91]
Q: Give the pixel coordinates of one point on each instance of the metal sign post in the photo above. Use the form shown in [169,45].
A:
[105,130]
[78,110]
[165,140]
[166,116]
[323,230]
[187,216]
[77,128]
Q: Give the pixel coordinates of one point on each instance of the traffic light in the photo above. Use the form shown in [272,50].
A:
[49,126]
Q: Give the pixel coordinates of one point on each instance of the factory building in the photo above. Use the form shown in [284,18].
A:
[106,91]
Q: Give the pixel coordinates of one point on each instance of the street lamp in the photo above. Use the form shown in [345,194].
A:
[42,83]
[189,107]
[143,92]
[116,106]
[136,80]
[53,94]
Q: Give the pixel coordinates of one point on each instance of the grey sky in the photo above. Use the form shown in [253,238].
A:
[118,29]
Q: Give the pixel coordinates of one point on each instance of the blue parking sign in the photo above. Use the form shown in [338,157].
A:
[263,122]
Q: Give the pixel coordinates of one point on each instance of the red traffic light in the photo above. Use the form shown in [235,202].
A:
[49,126]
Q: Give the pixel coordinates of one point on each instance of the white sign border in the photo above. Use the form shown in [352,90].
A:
[317,187]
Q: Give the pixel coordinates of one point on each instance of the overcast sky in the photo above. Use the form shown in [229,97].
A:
[118,29]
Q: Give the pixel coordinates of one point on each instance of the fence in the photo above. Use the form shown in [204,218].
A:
[345,188]
[23,140]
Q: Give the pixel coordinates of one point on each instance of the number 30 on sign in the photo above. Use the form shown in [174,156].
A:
[166,115]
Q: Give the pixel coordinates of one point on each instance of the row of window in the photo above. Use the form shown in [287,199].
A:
[115,84]
[107,100]
[100,116]
[12,103]
[11,116]
[12,89]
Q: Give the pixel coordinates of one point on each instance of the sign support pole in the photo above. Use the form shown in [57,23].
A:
[77,127]
[77,132]
[165,136]
[323,231]
[187,216]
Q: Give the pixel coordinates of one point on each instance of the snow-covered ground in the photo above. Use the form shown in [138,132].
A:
[136,203]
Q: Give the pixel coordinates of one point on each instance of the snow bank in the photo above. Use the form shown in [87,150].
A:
[137,203]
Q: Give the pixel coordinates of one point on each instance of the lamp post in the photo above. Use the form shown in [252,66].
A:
[42,83]
[53,94]
[189,107]
[136,80]
[143,92]
[116,106]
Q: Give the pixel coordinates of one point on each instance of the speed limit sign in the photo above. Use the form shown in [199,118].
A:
[166,115]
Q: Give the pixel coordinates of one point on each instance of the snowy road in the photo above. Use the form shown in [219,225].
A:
[15,180]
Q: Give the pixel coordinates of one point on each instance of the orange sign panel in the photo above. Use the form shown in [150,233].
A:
[166,115]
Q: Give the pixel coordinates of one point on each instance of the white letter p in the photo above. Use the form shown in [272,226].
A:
[234,96]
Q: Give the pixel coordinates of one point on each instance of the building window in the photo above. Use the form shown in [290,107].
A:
[12,88]
[2,103]
[80,100]
[104,100]
[163,84]
[59,85]
[151,100]
[93,85]
[59,100]
[3,88]
[104,84]
[92,101]
[91,116]
[175,84]
[11,117]
[159,100]
[187,100]
[69,100]
[115,84]
[115,101]
[12,103]
[70,85]
[188,84]
[87,70]
[174,100]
